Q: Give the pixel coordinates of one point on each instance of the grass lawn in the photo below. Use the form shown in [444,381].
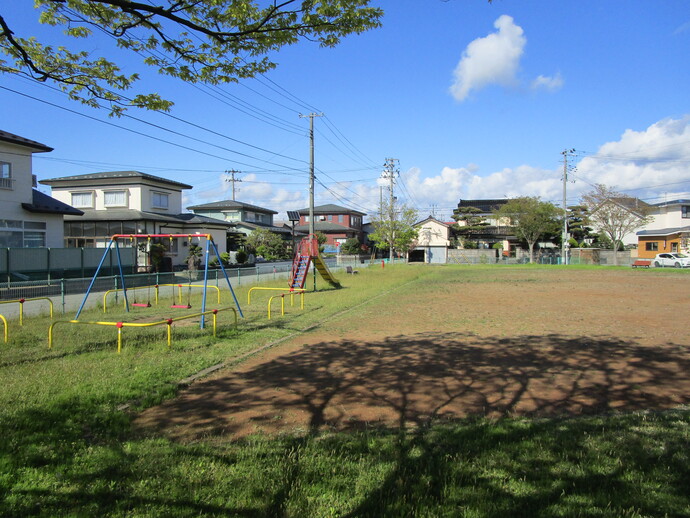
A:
[68,448]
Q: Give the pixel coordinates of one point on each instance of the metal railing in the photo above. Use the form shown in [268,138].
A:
[119,325]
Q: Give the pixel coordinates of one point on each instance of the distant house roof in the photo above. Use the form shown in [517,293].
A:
[673,202]
[134,215]
[325,226]
[431,218]
[663,231]
[253,226]
[114,175]
[632,204]
[42,203]
[330,208]
[21,141]
[230,205]
[483,205]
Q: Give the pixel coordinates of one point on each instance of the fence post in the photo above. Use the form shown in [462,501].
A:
[62,294]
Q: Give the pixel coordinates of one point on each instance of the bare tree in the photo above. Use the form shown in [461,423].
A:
[615,214]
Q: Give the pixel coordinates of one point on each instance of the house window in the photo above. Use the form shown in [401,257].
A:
[159,200]
[340,218]
[651,246]
[5,175]
[82,200]
[685,211]
[34,239]
[22,234]
[115,198]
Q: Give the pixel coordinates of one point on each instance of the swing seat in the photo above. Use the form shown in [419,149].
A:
[141,304]
[183,306]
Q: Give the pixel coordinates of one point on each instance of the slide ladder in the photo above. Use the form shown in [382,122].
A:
[308,251]
[300,268]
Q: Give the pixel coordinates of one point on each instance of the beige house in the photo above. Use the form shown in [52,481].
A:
[433,240]
[130,202]
[28,218]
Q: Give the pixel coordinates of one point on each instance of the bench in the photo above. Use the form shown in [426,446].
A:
[640,263]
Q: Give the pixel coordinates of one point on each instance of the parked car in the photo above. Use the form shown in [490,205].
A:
[674,259]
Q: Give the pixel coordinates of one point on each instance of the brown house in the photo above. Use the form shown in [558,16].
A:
[338,224]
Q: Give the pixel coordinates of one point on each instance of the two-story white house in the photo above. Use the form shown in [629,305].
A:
[668,230]
[131,202]
[28,218]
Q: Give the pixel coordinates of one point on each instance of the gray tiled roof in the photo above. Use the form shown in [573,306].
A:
[231,204]
[111,175]
[325,226]
[663,231]
[135,215]
[44,204]
[6,136]
[331,208]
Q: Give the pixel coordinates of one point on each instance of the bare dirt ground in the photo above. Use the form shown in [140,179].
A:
[513,342]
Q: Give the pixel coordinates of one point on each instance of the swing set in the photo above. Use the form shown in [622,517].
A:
[113,245]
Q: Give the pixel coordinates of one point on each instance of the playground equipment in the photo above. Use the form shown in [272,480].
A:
[306,253]
[156,294]
[113,243]
[4,321]
[291,292]
[120,325]
[21,303]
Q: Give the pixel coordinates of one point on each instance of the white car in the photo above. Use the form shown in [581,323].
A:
[676,260]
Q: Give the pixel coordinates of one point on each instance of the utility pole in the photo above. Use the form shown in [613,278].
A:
[564,239]
[311,169]
[232,173]
[390,170]
[311,182]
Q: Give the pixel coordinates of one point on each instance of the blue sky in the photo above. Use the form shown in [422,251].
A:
[475,100]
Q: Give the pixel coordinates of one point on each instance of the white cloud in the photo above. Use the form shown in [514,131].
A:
[550,84]
[494,59]
[652,164]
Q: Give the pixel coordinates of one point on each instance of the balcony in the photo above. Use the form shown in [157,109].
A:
[7,183]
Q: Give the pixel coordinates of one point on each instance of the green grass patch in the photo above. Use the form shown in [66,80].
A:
[66,449]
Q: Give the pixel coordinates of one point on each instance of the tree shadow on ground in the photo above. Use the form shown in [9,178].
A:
[411,381]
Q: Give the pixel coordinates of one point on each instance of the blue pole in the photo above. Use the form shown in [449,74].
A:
[93,280]
[122,277]
[215,249]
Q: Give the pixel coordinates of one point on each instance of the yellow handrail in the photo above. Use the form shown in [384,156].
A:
[192,286]
[21,306]
[4,321]
[301,291]
[282,304]
[120,325]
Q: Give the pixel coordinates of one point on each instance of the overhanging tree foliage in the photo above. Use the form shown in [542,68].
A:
[210,41]
[531,218]
[615,214]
